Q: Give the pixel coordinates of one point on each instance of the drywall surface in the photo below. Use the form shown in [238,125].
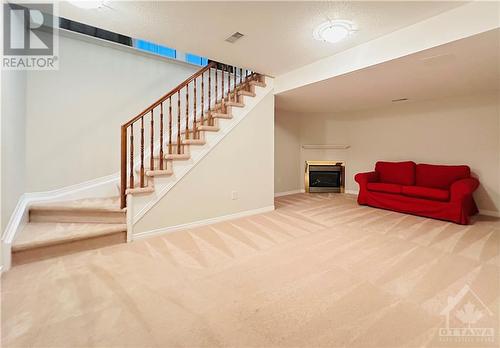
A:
[74,114]
[458,130]
[242,162]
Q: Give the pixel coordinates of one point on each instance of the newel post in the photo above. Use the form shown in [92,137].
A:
[123,170]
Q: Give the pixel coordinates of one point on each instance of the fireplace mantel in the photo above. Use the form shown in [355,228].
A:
[325,146]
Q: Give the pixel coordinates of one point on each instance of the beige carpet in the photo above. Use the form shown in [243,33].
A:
[319,271]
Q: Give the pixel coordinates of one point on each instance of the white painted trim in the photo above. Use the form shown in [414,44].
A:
[463,21]
[15,220]
[27,199]
[100,187]
[129,49]
[129,217]
[326,146]
[286,193]
[6,256]
[147,152]
[93,188]
[489,213]
[196,158]
[352,192]
[72,189]
[205,222]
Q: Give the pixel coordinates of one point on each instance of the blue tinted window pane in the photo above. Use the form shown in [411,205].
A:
[154,48]
[194,59]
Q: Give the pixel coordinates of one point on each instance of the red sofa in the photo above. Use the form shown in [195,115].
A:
[435,191]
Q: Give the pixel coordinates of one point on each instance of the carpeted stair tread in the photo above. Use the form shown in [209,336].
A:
[108,204]
[35,235]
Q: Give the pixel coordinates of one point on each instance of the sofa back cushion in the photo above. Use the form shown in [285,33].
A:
[440,176]
[401,173]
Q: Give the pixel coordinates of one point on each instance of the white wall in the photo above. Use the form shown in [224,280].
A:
[459,130]
[74,114]
[286,151]
[243,161]
[13,135]
[470,19]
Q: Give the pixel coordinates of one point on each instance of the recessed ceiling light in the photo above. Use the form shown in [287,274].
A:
[88,4]
[334,31]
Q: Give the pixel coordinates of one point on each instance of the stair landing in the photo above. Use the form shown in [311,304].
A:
[90,210]
[60,228]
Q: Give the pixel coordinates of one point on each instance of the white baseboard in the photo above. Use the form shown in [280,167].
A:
[205,222]
[352,192]
[6,256]
[141,208]
[15,220]
[100,187]
[286,193]
[489,213]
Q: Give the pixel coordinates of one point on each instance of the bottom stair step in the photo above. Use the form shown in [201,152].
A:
[38,241]
[89,210]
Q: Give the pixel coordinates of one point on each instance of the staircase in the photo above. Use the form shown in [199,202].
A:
[152,143]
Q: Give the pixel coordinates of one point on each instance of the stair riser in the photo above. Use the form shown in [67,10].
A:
[241,99]
[45,252]
[77,217]
[166,165]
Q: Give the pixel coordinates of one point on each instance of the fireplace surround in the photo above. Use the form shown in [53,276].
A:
[324,176]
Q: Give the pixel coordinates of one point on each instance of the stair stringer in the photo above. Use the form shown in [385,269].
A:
[139,204]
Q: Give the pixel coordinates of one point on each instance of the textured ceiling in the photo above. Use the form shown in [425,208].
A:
[467,66]
[278,35]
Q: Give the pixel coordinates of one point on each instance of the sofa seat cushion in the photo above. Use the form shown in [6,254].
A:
[426,193]
[401,173]
[384,187]
[440,176]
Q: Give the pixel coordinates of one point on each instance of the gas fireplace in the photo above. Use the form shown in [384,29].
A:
[324,176]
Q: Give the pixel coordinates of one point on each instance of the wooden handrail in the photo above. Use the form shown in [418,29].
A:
[155,133]
[171,93]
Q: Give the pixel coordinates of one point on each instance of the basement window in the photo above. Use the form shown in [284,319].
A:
[197,60]
[95,32]
[138,44]
[151,47]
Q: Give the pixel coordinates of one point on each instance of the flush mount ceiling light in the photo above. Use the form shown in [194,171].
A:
[88,4]
[334,31]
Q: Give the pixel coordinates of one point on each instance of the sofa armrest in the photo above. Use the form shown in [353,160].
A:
[463,188]
[364,178]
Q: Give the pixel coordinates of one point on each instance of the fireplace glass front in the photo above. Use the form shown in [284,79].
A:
[325,178]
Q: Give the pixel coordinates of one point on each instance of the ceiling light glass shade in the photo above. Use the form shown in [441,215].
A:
[88,4]
[334,31]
